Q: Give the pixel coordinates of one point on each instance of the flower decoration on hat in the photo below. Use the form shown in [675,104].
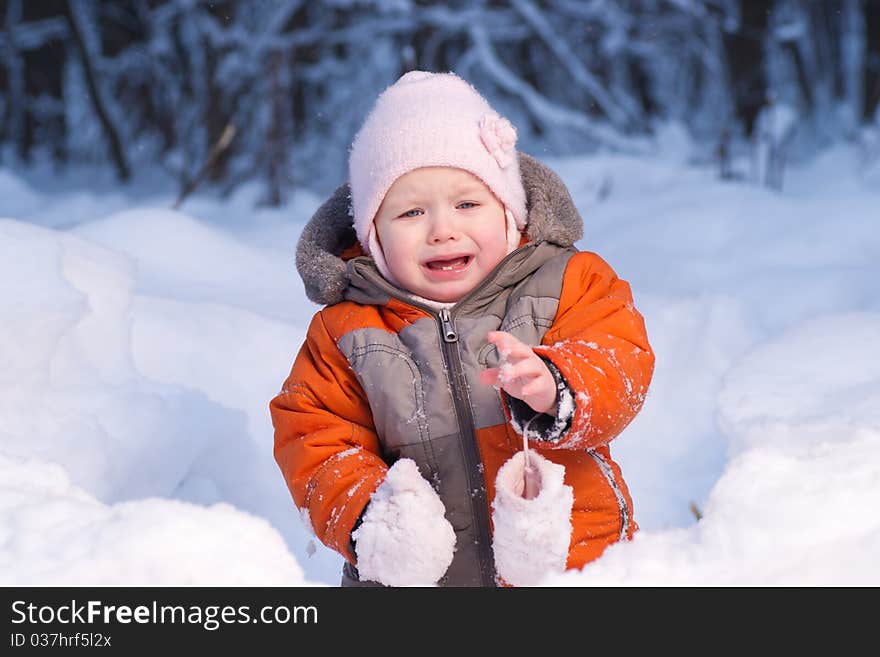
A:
[499,138]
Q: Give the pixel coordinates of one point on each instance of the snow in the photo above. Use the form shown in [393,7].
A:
[55,533]
[140,346]
[404,539]
[531,533]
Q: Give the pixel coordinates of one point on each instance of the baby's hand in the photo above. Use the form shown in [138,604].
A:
[521,373]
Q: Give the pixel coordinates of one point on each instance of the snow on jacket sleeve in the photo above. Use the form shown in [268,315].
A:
[325,443]
[597,350]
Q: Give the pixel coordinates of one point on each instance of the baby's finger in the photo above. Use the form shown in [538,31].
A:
[509,346]
[489,376]
[524,370]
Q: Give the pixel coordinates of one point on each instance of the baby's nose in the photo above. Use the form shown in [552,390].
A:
[443,227]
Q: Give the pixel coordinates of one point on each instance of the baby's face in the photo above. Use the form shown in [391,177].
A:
[442,231]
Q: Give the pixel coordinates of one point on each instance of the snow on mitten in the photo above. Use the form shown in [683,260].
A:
[404,539]
[531,536]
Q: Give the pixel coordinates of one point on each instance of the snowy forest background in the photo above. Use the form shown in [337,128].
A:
[159,159]
[283,85]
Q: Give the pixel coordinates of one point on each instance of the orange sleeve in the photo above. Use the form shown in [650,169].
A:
[325,442]
[599,345]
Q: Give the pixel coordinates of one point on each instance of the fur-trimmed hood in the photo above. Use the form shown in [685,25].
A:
[329,235]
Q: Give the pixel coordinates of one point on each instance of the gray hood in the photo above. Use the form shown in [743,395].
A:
[552,218]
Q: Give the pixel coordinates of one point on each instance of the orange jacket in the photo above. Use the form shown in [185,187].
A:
[381,377]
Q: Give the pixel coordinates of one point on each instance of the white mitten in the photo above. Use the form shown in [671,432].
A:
[404,539]
[531,536]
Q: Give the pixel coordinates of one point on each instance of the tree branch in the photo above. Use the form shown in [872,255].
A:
[216,151]
[543,109]
[116,150]
[617,113]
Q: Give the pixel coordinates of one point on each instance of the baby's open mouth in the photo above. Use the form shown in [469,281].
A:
[448,265]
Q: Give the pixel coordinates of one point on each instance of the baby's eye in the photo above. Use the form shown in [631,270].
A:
[467,205]
[411,213]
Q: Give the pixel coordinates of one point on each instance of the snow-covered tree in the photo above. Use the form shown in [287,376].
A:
[140,83]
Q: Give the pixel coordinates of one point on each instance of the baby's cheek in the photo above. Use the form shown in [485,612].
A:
[400,261]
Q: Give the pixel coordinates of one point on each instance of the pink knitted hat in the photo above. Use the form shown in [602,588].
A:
[432,119]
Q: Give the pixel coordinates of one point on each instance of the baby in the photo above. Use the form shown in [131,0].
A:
[447,420]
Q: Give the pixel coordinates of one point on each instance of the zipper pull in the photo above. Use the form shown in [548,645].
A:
[449,334]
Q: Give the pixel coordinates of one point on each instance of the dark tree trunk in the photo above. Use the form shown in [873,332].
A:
[14,80]
[872,57]
[641,85]
[277,147]
[44,78]
[34,76]
[744,52]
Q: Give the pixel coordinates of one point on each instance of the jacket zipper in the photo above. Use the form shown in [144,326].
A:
[464,414]
[473,462]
